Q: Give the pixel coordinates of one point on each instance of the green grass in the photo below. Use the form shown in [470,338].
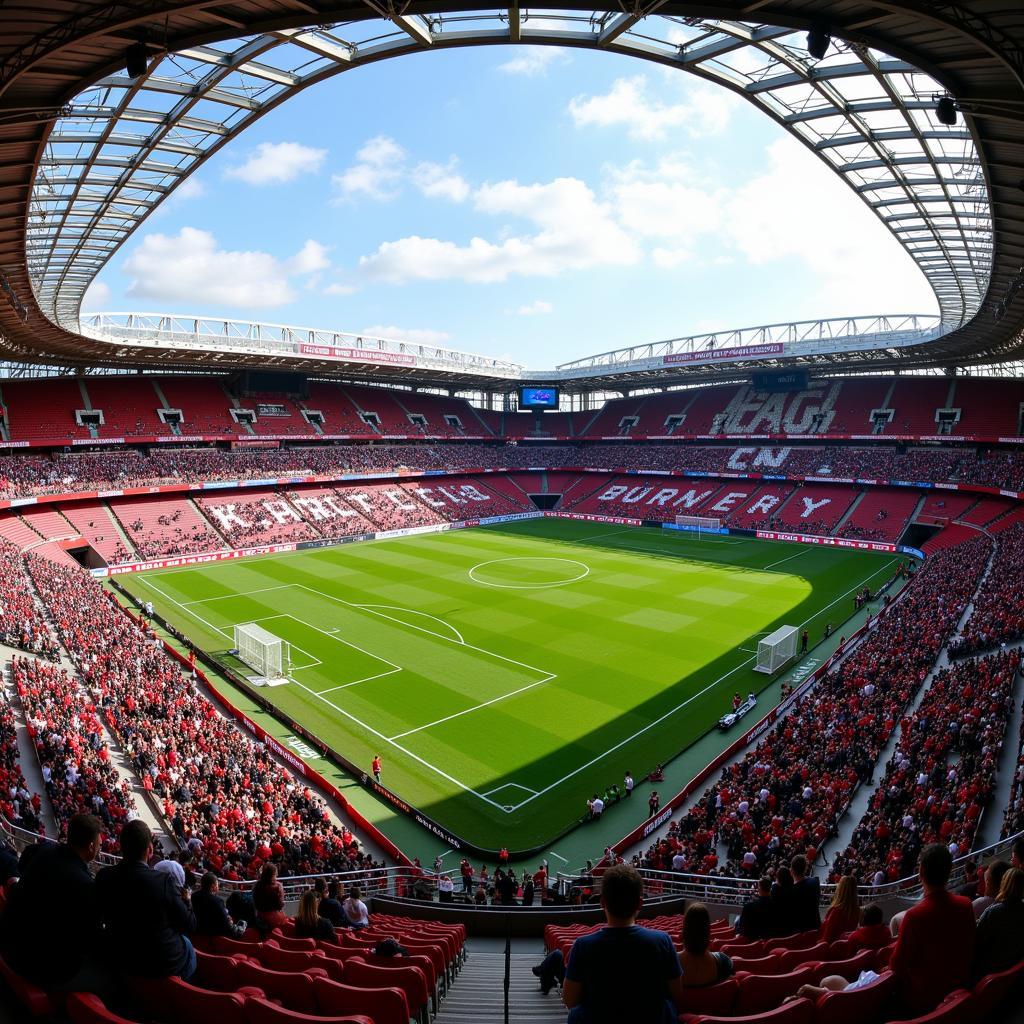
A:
[506,673]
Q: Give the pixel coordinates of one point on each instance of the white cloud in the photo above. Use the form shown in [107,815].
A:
[534,61]
[440,181]
[669,259]
[190,188]
[310,258]
[536,308]
[575,231]
[412,335]
[377,172]
[796,209]
[189,267]
[274,163]
[96,298]
[703,110]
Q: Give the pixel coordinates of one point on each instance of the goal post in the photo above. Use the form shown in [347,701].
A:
[776,649]
[262,651]
[699,524]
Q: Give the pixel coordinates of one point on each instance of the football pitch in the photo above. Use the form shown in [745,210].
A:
[507,673]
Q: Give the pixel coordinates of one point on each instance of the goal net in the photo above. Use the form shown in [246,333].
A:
[699,524]
[268,655]
[776,649]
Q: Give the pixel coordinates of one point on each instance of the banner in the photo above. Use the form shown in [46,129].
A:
[357,355]
[709,355]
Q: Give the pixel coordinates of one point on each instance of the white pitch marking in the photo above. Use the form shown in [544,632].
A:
[356,682]
[529,586]
[476,707]
[789,558]
[411,611]
[689,700]
[227,597]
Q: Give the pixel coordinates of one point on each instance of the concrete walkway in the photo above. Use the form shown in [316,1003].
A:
[1009,757]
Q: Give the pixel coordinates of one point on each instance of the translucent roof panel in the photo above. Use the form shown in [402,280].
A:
[123,146]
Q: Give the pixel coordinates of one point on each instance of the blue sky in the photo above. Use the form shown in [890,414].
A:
[525,202]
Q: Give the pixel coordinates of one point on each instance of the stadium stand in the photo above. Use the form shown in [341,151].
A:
[127,412]
[93,520]
[256,517]
[43,410]
[784,797]
[162,526]
[69,742]
[203,403]
[22,624]
[942,774]
[915,404]
[814,509]
[880,514]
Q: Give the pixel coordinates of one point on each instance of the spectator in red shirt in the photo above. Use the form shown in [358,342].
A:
[935,948]
[872,933]
[843,914]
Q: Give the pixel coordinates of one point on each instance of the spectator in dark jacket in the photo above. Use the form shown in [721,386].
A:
[759,918]
[806,896]
[52,921]
[212,917]
[147,915]
[330,906]
[308,922]
[1001,928]
[784,900]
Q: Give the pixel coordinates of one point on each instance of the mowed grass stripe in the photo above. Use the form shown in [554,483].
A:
[642,634]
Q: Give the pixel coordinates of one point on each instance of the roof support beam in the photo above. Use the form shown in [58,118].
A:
[416,27]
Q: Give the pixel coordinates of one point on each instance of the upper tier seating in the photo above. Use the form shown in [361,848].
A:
[915,402]
[127,412]
[988,408]
[43,409]
[203,403]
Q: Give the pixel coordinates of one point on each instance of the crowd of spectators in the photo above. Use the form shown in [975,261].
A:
[116,467]
[22,624]
[223,794]
[1013,819]
[252,524]
[786,796]
[998,613]
[18,804]
[73,755]
[941,775]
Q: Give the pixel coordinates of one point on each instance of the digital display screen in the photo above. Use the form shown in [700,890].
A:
[538,398]
[793,380]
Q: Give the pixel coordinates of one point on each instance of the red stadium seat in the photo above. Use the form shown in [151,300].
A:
[383,1005]
[295,990]
[32,997]
[758,994]
[800,1011]
[714,999]
[802,940]
[261,1011]
[217,973]
[863,1004]
[85,1008]
[174,1000]
[841,949]
[956,1009]
[993,990]
[766,965]
[792,958]
[747,950]
[409,979]
[277,959]
[288,942]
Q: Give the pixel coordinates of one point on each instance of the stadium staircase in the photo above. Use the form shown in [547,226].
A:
[164,404]
[27,759]
[848,514]
[87,405]
[862,796]
[990,829]
[479,994]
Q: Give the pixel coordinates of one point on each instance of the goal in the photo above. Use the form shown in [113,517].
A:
[776,649]
[699,524]
[269,655]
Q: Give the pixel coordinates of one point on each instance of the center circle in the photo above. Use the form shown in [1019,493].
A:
[526,573]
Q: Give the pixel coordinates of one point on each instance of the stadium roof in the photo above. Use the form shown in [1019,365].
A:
[86,153]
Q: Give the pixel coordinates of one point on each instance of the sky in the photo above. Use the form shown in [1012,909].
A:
[525,202]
